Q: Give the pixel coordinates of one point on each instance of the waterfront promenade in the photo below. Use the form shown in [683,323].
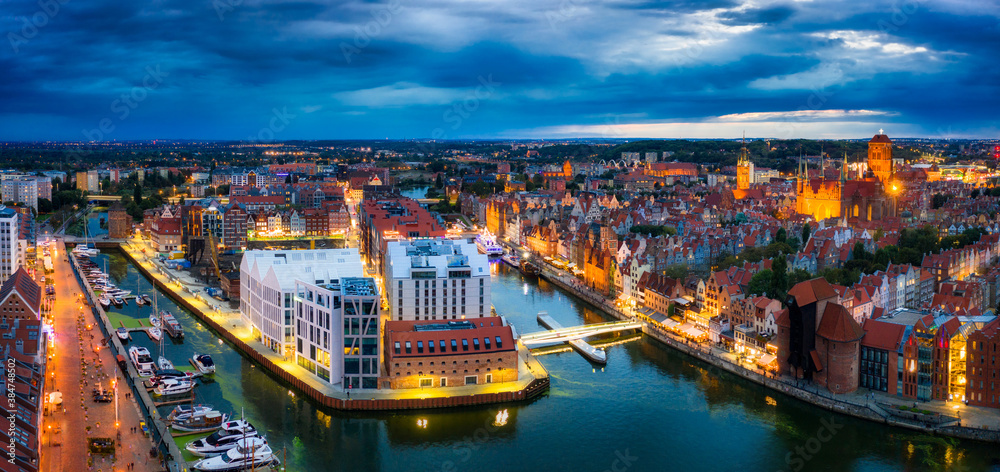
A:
[80,362]
[958,420]
[532,378]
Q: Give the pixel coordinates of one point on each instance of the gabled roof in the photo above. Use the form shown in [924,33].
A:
[882,335]
[811,291]
[21,284]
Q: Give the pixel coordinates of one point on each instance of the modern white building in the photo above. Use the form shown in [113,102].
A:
[337,331]
[268,285]
[430,279]
[10,253]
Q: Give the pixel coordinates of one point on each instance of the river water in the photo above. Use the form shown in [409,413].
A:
[649,409]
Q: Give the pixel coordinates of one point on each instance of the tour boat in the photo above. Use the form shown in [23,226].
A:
[123,334]
[173,387]
[204,363]
[487,244]
[249,453]
[170,325]
[200,422]
[153,319]
[222,440]
[142,361]
[155,333]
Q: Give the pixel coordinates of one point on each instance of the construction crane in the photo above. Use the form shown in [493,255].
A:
[215,254]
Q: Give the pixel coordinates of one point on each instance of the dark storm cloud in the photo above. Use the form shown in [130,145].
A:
[572,62]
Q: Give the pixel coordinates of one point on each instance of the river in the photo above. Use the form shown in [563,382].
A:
[649,409]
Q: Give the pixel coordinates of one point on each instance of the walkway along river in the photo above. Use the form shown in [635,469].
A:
[651,407]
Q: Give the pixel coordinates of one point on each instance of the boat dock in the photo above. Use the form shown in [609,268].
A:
[590,352]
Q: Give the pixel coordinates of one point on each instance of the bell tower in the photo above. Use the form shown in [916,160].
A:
[744,168]
[880,157]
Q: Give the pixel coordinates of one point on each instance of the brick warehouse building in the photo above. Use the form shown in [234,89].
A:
[424,354]
[983,370]
[818,339]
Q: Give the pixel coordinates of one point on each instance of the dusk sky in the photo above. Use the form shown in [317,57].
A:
[252,69]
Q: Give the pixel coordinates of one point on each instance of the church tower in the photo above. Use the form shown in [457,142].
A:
[568,170]
[744,169]
[880,157]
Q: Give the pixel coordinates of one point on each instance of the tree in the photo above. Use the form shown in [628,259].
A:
[760,283]
[137,194]
[781,236]
[779,279]
[439,182]
[806,231]
[677,272]
[44,205]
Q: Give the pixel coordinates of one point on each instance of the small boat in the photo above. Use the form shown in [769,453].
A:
[146,299]
[201,422]
[123,334]
[117,301]
[139,301]
[155,333]
[167,387]
[172,374]
[512,260]
[105,302]
[222,440]
[153,319]
[164,364]
[183,412]
[249,453]
[204,363]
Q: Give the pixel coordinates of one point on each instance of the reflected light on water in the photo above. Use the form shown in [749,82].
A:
[422,423]
[525,289]
[501,418]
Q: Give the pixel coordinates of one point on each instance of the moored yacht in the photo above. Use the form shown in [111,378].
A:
[249,453]
[222,440]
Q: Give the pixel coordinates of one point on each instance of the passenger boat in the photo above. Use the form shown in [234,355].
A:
[512,260]
[142,361]
[155,333]
[249,453]
[222,440]
[200,422]
[123,334]
[171,325]
[204,363]
[167,387]
[487,244]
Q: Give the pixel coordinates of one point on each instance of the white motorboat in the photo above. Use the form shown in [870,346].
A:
[173,387]
[142,360]
[249,453]
[140,302]
[104,301]
[164,363]
[182,412]
[222,440]
[123,334]
[201,422]
[204,363]
[155,333]
[153,319]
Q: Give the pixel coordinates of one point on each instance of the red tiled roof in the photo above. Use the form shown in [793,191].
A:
[838,325]
[22,284]
[882,335]
[488,327]
[880,138]
[812,290]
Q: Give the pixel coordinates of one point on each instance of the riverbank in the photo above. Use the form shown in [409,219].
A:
[859,405]
[533,379]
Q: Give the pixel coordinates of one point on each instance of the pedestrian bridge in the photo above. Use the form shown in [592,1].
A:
[560,334]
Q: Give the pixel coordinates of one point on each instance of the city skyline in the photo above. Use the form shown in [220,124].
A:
[226,70]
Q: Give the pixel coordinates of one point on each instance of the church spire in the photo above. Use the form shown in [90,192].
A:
[822,162]
[843,168]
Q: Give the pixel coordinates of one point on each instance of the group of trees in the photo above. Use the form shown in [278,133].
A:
[653,230]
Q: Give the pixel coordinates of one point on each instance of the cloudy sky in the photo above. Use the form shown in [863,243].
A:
[266,69]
